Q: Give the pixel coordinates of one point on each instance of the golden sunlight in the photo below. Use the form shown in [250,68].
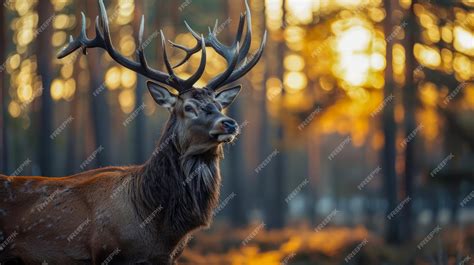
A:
[295,81]
[464,40]
[300,10]
[427,56]
[112,78]
[354,39]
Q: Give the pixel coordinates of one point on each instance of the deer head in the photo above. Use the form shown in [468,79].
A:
[196,113]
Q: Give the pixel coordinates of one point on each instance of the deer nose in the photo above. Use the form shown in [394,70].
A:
[230,126]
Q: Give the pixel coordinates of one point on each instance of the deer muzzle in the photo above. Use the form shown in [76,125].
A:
[225,130]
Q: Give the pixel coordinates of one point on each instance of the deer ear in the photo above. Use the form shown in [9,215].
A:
[227,96]
[161,95]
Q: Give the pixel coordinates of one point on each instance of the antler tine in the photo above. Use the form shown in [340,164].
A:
[235,55]
[232,63]
[202,66]
[189,51]
[81,41]
[140,52]
[184,85]
[169,68]
[248,37]
[103,40]
[231,54]
[246,67]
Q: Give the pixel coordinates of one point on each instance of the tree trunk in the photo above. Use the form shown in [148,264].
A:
[3,99]
[140,123]
[99,108]
[277,204]
[71,140]
[73,137]
[389,130]
[236,155]
[409,103]
[44,52]
[236,166]
[313,167]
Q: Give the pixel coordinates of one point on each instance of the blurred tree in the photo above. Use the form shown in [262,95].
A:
[140,121]
[236,174]
[100,115]
[409,103]
[276,181]
[3,99]
[236,157]
[71,155]
[264,147]
[389,131]
[73,135]
[45,68]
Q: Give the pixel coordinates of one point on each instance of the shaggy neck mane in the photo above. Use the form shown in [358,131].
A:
[182,185]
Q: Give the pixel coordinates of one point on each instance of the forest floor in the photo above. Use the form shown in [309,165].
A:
[330,246]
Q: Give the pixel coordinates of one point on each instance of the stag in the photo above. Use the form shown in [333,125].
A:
[138,214]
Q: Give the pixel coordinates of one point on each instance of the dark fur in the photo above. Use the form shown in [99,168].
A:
[163,181]
[185,184]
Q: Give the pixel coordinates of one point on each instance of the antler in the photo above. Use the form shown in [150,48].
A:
[235,55]
[103,40]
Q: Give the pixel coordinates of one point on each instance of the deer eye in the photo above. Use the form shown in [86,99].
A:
[188,108]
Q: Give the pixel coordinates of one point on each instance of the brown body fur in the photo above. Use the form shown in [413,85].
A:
[128,215]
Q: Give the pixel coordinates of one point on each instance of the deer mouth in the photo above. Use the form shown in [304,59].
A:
[223,137]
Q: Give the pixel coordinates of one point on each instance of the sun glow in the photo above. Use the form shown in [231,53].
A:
[353,43]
